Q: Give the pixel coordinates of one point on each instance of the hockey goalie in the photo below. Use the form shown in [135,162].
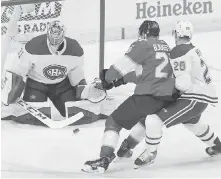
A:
[50,66]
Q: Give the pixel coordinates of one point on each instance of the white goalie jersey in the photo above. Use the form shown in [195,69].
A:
[37,61]
[192,74]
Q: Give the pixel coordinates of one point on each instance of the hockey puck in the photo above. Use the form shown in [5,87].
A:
[75,131]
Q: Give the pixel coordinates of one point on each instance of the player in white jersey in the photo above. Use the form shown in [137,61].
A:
[53,66]
[196,92]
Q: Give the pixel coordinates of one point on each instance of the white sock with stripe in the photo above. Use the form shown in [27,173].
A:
[203,132]
[153,132]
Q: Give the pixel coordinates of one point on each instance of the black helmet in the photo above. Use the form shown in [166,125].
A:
[149,28]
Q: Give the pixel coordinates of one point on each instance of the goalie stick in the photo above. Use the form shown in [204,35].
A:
[46,120]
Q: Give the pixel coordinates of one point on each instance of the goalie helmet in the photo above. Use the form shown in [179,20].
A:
[56,33]
[149,28]
[183,29]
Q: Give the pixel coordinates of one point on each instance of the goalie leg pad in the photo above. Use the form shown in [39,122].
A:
[12,86]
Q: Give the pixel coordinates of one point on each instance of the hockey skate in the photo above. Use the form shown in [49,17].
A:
[145,159]
[97,166]
[124,150]
[214,150]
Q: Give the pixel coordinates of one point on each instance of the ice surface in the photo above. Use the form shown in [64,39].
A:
[29,151]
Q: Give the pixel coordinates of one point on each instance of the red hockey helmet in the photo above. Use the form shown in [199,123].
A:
[149,28]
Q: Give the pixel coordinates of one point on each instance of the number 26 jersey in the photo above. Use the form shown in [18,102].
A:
[187,59]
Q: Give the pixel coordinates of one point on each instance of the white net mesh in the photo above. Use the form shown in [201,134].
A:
[35,23]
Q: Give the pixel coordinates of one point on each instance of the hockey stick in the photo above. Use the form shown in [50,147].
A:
[44,119]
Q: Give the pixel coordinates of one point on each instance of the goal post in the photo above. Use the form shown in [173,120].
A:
[100,39]
[102,35]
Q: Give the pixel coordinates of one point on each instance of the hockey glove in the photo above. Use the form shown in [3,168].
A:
[105,84]
[176,94]
[119,82]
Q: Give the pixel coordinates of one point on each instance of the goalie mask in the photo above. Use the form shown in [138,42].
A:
[55,34]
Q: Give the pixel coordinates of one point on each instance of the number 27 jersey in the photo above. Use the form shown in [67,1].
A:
[154,72]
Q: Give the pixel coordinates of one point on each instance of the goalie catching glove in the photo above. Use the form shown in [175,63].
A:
[94,92]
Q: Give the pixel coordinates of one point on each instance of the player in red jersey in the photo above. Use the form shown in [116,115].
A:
[194,82]
[146,63]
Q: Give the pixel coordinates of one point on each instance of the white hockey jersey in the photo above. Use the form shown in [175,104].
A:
[187,61]
[36,61]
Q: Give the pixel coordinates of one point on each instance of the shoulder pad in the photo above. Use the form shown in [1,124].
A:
[180,50]
[73,48]
[38,45]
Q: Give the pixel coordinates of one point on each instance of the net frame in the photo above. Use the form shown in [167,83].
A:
[102,22]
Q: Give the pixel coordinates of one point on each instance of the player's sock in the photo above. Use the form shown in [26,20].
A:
[153,137]
[203,132]
[153,132]
[136,135]
[109,143]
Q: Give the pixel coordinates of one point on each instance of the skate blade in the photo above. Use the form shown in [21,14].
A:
[121,159]
[214,155]
[117,159]
[144,165]
[127,157]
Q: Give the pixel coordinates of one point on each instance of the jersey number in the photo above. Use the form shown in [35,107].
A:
[206,77]
[179,66]
[20,53]
[163,56]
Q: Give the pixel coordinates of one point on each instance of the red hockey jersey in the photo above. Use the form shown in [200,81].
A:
[149,59]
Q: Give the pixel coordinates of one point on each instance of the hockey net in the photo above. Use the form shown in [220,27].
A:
[35,23]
